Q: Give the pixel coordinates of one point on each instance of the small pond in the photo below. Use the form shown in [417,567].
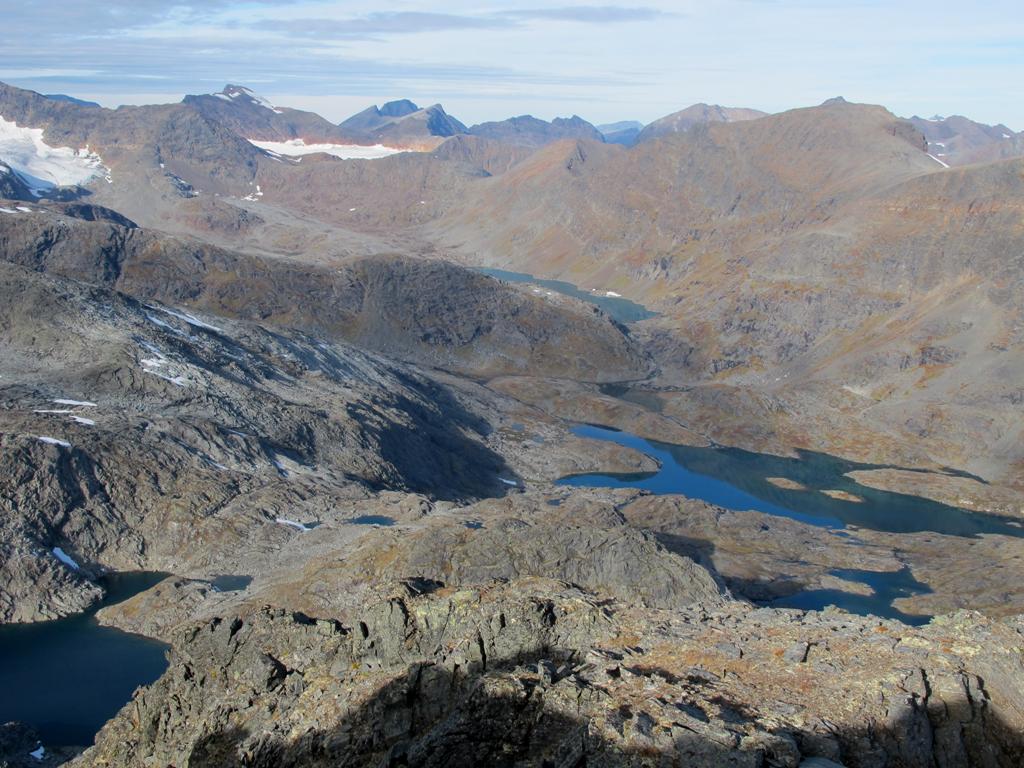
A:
[371,520]
[623,310]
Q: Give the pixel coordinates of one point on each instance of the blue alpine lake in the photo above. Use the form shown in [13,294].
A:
[737,479]
[887,586]
[623,310]
[67,677]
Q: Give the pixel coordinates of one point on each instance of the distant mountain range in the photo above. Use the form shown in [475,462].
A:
[253,117]
[698,114]
[959,140]
[71,100]
[623,132]
[529,131]
[399,124]
[403,124]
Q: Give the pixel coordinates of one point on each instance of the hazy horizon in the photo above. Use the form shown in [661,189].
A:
[604,62]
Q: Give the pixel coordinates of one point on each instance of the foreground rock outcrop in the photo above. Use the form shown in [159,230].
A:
[536,672]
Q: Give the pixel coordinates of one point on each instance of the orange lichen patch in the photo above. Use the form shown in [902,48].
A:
[930,372]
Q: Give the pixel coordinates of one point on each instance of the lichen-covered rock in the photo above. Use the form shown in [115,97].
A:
[537,673]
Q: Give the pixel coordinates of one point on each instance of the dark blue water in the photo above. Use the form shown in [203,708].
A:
[230,583]
[371,520]
[623,310]
[888,586]
[737,479]
[66,678]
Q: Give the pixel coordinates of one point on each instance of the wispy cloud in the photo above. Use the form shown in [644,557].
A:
[381,24]
[604,59]
[589,14]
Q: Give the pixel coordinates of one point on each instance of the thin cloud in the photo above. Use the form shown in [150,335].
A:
[589,14]
[380,24]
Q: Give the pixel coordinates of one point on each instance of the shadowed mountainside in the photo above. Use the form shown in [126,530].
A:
[431,312]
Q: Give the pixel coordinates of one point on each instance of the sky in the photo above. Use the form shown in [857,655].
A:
[488,61]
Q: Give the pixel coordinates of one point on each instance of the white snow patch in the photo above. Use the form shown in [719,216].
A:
[7,210]
[162,324]
[242,91]
[83,420]
[39,753]
[933,157]
[297,526]
[937,144]
[613,294]
[351,210]
[297,148]
[23,209]
[54,441]
[82,403]
[43,167]
[190,319]
[153,364]
[861,390]
[65,558]
[508,482]
[1006,135]
[51,410]
[178,381]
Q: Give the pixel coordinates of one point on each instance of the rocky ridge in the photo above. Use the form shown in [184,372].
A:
[429,312]
[537,672]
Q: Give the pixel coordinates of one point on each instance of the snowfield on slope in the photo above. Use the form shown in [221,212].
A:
[297,147]
[43,167]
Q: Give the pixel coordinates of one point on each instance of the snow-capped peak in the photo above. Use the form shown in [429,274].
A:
[236,92]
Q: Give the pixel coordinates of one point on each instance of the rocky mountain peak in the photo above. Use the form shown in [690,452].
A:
[241,94]
[399,108]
